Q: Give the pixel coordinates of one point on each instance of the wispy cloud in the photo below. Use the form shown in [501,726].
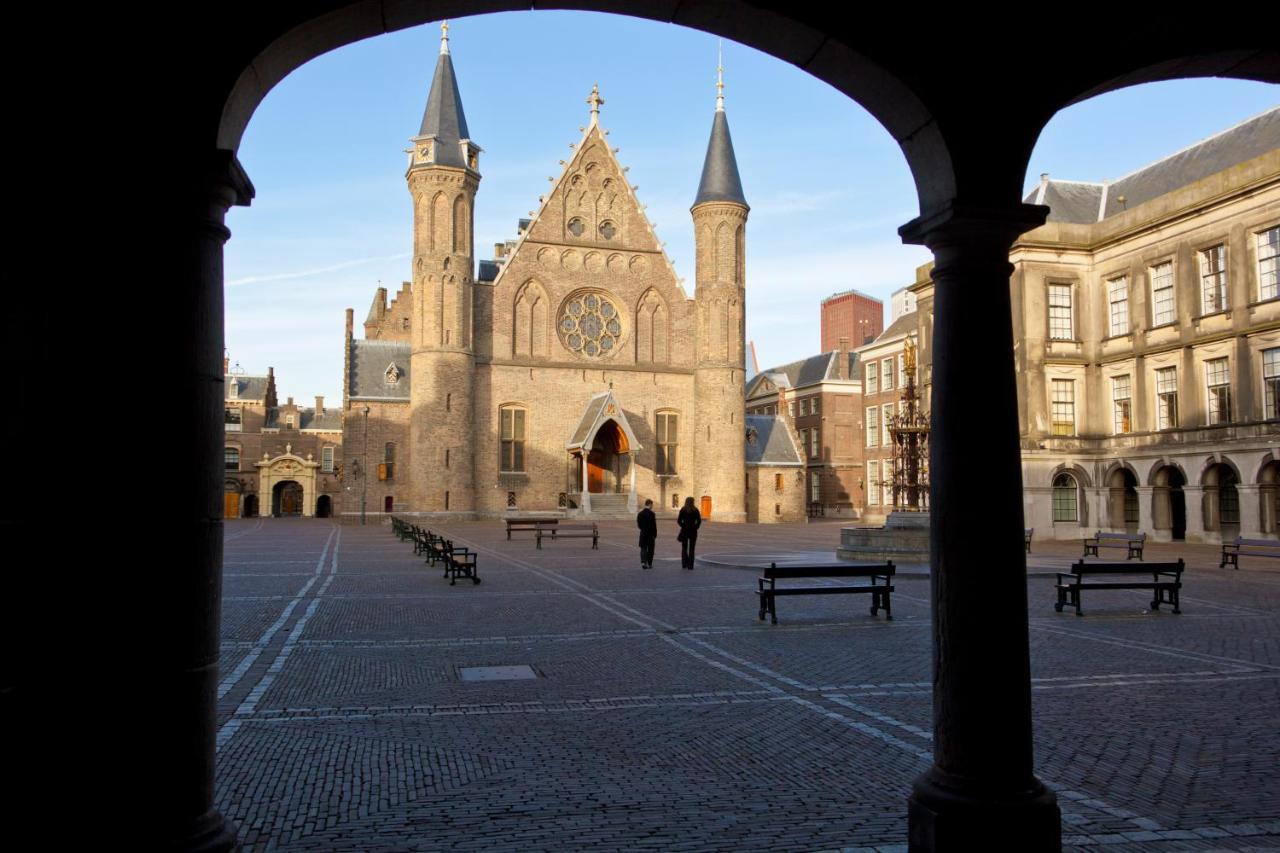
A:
[285,276]
[790,202]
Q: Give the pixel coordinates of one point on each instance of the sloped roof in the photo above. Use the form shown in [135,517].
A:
[1082,203]
[720,179]
[369,362]
[899,328]
[600,408]
[246,387]
[769,442]
[807,371]
[443,117]
[330,419]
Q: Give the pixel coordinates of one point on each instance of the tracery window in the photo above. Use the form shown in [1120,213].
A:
[590,324]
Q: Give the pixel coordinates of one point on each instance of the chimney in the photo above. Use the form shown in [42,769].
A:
[226,363]
[351,321]
[499,249]
[842,359]
[319,404]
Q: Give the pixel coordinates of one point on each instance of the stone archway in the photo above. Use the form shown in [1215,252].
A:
[940,97]
[287,499]
[1269,497]
[1169,502]
[288,468]
[1123,512]
[1221,500]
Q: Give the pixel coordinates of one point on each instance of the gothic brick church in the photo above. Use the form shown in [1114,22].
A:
[573,372]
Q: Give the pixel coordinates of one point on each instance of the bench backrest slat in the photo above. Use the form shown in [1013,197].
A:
[857,570]
[1083,568]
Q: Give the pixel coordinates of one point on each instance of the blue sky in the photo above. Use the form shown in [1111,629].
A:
[827,185]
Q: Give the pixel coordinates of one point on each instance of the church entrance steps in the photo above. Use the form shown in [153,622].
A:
[609,506]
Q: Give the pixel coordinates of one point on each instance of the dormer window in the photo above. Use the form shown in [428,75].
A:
[392,374]
[753,437]
[235,388]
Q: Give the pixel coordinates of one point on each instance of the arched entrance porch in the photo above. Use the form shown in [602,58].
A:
[603,452]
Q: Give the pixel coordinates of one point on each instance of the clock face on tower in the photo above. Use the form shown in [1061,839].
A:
[590,324]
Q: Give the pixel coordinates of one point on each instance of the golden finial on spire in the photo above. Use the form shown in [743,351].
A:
[444,38]
[720,79]
[595,101]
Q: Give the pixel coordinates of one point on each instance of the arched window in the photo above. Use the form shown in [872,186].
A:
[233,458]
[512,444]
[667,432]
[1065,498]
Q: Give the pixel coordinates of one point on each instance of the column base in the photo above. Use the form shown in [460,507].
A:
[209,833]
[945,814]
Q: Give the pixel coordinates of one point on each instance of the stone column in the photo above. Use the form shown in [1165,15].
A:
[1146,510]
[178,763]
[1250,510]
[1194,496]
[631,498]
[586,485]
[1099,509]
[982,778]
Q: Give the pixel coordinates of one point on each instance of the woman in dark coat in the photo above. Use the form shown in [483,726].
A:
[689,520]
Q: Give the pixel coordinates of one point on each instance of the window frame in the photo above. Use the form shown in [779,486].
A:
[1166,398]
[1218,276]
[511,450]
[326,459]
[1058,424]
[1153,271]
[872,426]
[226,458]
[871,379]
[1122,404]
[666,443]
[1063,510]
[1271,385]
[1217,387]
[1122,327]
[1268,272]
[1063,314]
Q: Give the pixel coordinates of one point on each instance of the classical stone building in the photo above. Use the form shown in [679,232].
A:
[278,459]
[1146,319]
[574,371]
[819,399]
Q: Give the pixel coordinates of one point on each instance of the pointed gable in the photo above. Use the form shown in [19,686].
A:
[592,204]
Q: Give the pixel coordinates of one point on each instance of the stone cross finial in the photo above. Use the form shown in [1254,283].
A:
[720,79]
[444,38]
[596,102]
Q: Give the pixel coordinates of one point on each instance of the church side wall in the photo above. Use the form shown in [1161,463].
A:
[388,423]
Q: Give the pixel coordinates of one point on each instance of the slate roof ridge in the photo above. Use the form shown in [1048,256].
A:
[1210,138]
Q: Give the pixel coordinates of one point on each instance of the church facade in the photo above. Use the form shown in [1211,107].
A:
[571,373]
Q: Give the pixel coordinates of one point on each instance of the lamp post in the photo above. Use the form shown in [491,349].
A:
[364,473]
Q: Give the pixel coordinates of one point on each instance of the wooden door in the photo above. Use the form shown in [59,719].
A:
[706,507]
[230,504]
[595,472]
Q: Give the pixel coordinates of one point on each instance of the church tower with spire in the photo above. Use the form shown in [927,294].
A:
[720,228]
[443,177]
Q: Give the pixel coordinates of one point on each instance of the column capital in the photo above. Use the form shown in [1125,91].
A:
[959,222]
[223,184]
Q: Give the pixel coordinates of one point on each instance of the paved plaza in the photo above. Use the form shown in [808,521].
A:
[663,715]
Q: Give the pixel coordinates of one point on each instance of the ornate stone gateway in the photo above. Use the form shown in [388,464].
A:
[290,480]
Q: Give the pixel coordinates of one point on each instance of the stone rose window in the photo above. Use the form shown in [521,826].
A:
[590,324]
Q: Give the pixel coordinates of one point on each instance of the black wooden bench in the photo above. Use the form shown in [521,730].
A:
[571,531]
[1232,551]
[1131,542]
[437,548]
[531,524]
[1026,537]
[459,563]
[879,588]
[1166,580]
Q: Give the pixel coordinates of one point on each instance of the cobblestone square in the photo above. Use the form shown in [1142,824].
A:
[665,716]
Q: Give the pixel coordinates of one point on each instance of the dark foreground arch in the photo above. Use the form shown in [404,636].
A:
[966,113]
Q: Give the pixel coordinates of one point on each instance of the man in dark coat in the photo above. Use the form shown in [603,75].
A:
[648,524]
[689,520]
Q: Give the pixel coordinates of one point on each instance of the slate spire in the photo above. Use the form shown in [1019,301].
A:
[720,181]
[443,118]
